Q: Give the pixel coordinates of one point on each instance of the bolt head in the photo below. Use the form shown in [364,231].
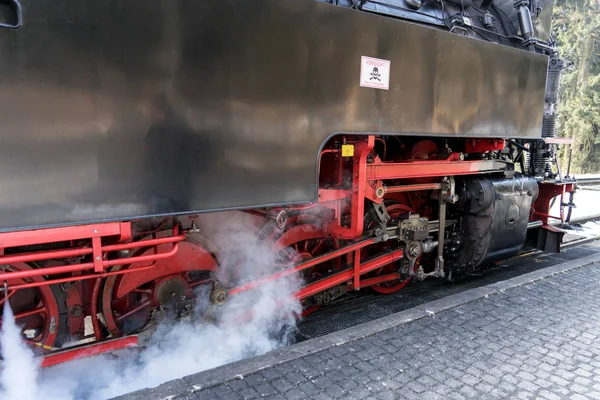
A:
[414,250]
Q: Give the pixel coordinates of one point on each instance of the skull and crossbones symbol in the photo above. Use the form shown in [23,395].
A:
[375,74]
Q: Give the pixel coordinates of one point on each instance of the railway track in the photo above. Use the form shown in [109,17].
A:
[593,180]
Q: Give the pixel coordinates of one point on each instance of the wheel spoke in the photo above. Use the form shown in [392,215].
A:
[194,284]
[289,256]
[25,314]
[131,312]
[8,296]
[305,246]
[305,241]
[317,247]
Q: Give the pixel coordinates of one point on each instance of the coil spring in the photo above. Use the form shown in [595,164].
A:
[549,126]
[540,162]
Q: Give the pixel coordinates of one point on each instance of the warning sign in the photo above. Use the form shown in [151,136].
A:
[375,73]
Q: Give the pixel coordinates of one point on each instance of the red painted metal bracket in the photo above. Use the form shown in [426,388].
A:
[302,266]
[351,274]
[89,351]
[378,280]
[326,195]
[97,254]
[359,185]
[484,145]
[54,235]
[357,269]
[428,169]
[369,177]
[412,188]
[348,274]
[548,191]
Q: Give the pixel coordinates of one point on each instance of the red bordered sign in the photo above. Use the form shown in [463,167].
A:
[375,73]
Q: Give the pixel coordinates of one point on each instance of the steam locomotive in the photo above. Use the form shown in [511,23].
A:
[373,143]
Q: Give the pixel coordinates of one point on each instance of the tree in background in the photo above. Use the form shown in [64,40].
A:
[577,32]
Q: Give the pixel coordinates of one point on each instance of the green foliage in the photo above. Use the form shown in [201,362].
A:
[577,32]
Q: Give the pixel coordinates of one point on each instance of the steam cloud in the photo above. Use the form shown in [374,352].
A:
[178,348]
[20,370]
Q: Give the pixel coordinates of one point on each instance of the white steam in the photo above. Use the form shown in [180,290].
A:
[19,368]
[590,229]
[177,349]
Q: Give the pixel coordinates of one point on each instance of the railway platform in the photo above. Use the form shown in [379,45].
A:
[535,335]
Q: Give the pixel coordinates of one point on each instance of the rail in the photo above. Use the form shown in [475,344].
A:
[588,181]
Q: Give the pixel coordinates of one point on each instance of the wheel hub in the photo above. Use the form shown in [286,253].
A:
[170,290]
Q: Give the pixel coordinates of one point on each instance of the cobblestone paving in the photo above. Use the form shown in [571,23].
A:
[540,341]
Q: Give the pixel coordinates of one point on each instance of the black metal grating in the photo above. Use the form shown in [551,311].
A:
[364,308]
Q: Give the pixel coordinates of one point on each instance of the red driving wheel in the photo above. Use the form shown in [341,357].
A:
[302,239]
[39,311]
[129,300]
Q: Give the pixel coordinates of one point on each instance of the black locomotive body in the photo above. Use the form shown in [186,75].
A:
[373,143]
[247,93]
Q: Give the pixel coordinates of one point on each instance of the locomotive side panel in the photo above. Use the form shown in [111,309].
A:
[112,110]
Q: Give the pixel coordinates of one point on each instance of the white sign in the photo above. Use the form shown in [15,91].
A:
[375,73]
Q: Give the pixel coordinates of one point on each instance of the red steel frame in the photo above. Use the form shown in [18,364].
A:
[119,232]
[60,357]
[368,177]
[548,191]
[484,145]
[344,276]
[97,266]
[302,266]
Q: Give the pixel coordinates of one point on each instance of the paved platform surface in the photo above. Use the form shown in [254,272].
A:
[536,341]
[539,340]
[370,307]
